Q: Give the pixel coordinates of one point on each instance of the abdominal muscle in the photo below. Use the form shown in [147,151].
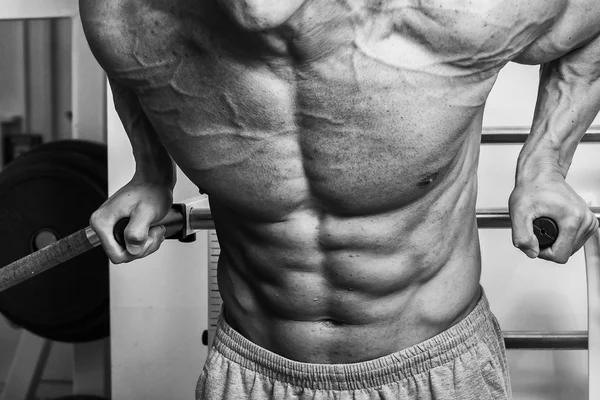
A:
[321,287]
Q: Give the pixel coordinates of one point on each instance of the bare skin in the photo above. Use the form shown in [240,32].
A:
[338,142]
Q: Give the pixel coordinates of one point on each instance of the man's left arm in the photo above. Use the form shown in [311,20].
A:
[568,101]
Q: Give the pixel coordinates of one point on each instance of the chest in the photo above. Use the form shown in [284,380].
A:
[434,44]
[343,91]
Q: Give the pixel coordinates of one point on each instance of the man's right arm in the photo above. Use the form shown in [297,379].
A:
[148,196]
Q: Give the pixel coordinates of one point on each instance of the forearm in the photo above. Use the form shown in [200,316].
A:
[153,164]
[568,101]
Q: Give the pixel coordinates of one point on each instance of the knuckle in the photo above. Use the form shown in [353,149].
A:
[115,259]
[561,260]
[571,225]
[95,220]
[135,236]
[158,236]
[150,251]
[577,214]
[522,242]
[544,256]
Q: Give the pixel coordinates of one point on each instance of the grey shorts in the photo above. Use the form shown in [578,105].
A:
[465,362]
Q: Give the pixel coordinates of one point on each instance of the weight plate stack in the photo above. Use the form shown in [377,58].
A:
[45,195]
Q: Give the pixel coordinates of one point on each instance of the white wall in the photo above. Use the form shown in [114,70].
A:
[35,77]
[12,71]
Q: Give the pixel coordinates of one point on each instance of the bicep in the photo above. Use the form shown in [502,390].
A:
[577,27]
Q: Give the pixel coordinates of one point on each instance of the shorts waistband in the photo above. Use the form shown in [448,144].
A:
[422,357]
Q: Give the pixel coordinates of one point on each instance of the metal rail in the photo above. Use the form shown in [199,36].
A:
[576,340]
[520,138]
[201,218]
[498,218]
[592,266]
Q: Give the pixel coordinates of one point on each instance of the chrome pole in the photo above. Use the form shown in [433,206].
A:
[592,265]
[201,218]
[576,340]
[499,218]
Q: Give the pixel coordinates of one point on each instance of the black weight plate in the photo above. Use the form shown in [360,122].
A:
[76,163]
[94,150]
[50,196]
[96,324]
[97,152]
[84,157]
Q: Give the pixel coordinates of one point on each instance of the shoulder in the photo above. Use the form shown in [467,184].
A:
[107,21]
[125,34]
[577,22]
[484,34]
[107,26]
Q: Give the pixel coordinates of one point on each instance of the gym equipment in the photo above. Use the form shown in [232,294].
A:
[44,195]
[181,222]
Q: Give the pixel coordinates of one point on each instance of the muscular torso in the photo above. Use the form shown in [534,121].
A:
[339,150]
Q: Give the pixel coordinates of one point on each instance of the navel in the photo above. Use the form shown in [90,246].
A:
[330,323]
[428,180]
